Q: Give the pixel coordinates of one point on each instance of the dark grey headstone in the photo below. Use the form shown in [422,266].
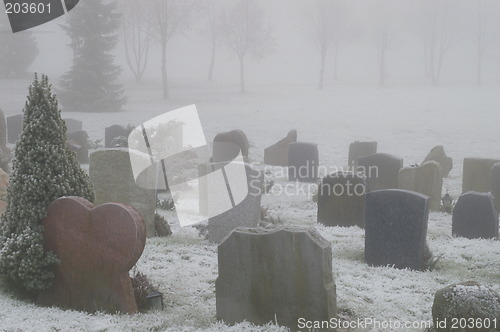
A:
[477,174]
[277,275]
[475,216]
[113,180]
[14,127]
[437,154]
[3,132]
[244,214]
[396,229]
[495,184]
[360,149]
[381,170]
[303,161]
[227,145]
[341,200]
[277,154]
[425,179]
[73,125]
[113,131]
[81,138]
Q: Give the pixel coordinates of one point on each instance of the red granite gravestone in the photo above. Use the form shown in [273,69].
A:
[97,246]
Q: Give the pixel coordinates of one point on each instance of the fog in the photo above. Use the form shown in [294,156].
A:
[296,60]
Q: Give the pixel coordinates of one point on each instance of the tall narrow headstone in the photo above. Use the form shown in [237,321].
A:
[341,200]
[114,131]
[425,179]
[113,181]
[3,132]
[81,139]
[495,184]
[303,162]
[477,174]
[396,229]
[244,214]
[277,154]
[475,216]
[280,275]
[73,125]
[227,145]
[381,170]
[14,127]
[360,149]
[437,154]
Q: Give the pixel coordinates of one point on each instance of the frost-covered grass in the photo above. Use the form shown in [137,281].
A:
[406,122]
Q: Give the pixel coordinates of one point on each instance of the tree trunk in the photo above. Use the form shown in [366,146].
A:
[212,62]
[164,70]
[322,71]
[382,68]
[479,65]
[335,62]
[242,74]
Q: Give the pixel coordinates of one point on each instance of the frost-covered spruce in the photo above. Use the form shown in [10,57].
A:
[44,169]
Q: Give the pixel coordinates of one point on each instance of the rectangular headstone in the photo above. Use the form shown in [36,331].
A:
[477,174]
[475,216]
[14,127]
[303,162]
[73,125]
[81,138]
[277,154]
[360,149]
[244,214]
[277,275]
[341,200]
[112,132]
[381,170]
[426,179]
[113,181]
[495,184]
[396,228]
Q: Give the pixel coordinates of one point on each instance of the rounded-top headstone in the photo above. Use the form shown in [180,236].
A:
[475,216]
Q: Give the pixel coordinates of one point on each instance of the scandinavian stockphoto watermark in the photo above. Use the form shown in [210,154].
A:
[363,323]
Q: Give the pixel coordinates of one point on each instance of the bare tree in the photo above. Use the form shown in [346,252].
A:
[212,30]
[247,33]
[384,34]
[437,21]
[136,35]
[169,17]
[483,32]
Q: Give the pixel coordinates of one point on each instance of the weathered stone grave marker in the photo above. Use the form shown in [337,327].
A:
[227,145]
[303,162]
[360,149]
[475,216]
[477,174]
[381,170]
[425,179]
[277,154]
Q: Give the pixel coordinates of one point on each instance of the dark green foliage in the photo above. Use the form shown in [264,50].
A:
[17,51]
[90,85]
[43,170]
[142,287]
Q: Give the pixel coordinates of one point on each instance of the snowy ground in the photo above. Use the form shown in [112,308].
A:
[406,121]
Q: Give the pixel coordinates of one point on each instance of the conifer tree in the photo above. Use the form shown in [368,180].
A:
[90,85]
[44,169]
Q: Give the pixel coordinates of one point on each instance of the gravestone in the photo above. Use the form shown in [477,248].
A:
[97,247]
[277,275]
[477,174]
[3,132]
[114,131]
[459,304]
[73,125]
[113,181]
[396,228]
[244,214]
[474,216]
[81,139]
[227,145]
[14,127]
[381,170]
[303,162]
[437,154]
[341,200]
[495,185]
[277,154]
[360,149]
[425,179]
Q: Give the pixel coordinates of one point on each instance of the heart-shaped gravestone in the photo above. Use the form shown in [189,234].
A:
[97,247]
